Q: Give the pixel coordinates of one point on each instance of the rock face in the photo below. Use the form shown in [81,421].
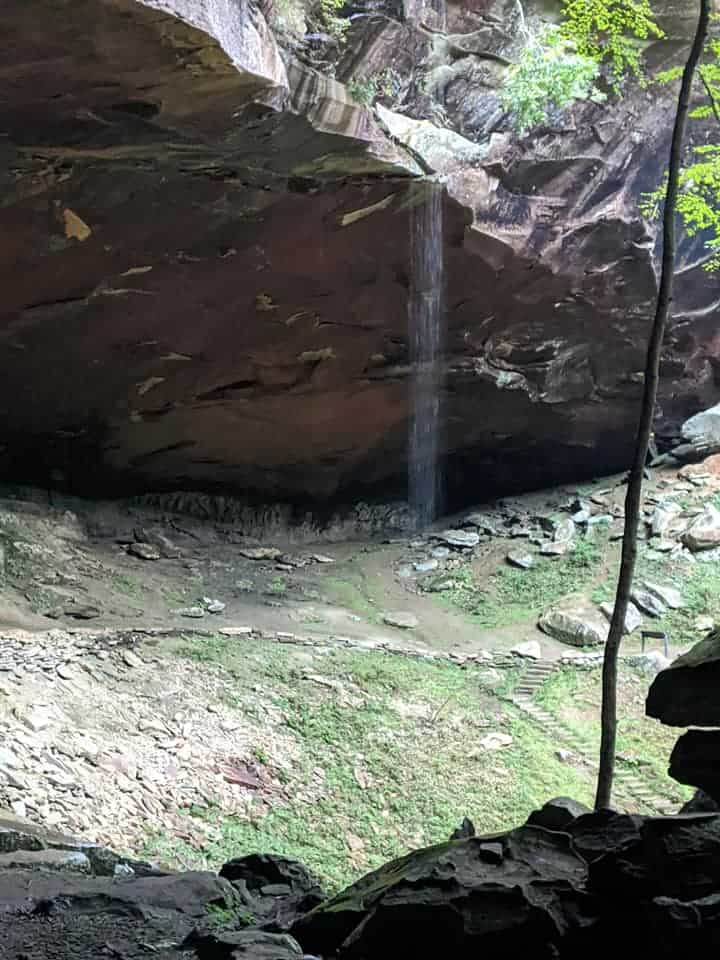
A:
[205,258]
[687,692]
[695,760]
[704,428]
[559,892]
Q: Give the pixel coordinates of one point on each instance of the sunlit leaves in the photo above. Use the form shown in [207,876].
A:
[612,32]
[699,200]
[550,74]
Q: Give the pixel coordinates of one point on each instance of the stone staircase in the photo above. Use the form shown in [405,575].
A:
[632,792]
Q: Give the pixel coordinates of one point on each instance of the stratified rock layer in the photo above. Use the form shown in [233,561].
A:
[204,261]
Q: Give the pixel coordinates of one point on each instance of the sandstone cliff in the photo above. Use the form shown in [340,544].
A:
[204,255]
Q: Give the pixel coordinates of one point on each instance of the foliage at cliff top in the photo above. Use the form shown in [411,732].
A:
[699,200]
[612,32]
[561,64]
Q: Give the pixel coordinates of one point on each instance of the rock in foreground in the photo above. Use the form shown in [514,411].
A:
[535,892]
[686,694]
[695,760]
[559,887]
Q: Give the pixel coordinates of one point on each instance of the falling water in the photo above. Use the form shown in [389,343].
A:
[425,321]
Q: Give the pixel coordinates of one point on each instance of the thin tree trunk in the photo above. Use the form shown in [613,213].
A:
[652,366]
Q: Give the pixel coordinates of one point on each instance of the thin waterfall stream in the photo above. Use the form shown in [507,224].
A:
[425,314]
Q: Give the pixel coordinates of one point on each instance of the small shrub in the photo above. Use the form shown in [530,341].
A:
[550,74]
[386,84]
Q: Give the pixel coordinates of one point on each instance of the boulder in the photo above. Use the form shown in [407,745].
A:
[484,896]
[663,517]
[650,663]
[564,531]
[678,927]
[460,539]
[672,856]
[686,694]
[220,944]
[521,559]
[704,428]
[695,760]
[701,802]
[633,617]
[647,602]
[144,551]
[261,553]
[403,621]
[670,596]
[164,545]
[704,532]
[530,649]
[275,890]
[557,814]
[465,829]
[573,628]
[495,741]
[493,896]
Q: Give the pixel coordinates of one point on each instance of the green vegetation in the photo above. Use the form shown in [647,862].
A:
[612,32]
[126,584]
[385,84]
[573,696]
[699,584]
[223,916]
[561,64]
[513,596]
[550,75]
[699,200]
[354,596]
[387,757]
[292,17]
[276,588]
[328,13]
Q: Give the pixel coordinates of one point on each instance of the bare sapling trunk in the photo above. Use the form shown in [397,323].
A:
[644,430]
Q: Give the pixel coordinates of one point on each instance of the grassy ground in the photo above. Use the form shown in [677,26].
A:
[513,596]
[573,696]
[387,758]
[698,582]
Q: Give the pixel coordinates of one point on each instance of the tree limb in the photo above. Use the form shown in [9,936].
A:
[647,411]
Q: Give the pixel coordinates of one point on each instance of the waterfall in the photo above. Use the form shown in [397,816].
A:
[425,322]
